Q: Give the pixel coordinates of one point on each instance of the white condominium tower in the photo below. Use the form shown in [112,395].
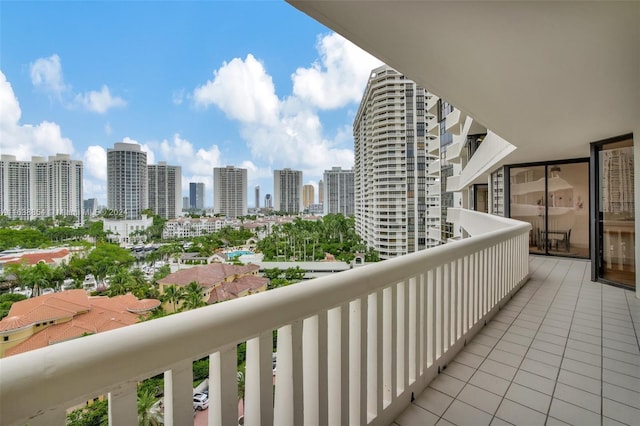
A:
[391,132]
[287,191]
[339,193]
[165,189]
[230,191]
[41,187]
[127,180]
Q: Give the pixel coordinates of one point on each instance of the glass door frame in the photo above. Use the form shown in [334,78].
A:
[547,165]
[596,227]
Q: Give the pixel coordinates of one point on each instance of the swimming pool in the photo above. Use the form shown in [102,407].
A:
[238,253]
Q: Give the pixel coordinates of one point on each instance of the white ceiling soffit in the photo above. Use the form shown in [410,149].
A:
[549,77]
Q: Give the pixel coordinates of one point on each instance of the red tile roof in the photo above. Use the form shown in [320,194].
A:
[233,290]
[47,257]
[208,275]
[88,315]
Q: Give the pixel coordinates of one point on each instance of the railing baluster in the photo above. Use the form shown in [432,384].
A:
[439,313]
[338,365]
[178,394]
[258,408]
[225,391]
[323,387]
[375,352]
[358,360]
[123,405]
[431,317]
[453,283]
[446,304]
[412,319]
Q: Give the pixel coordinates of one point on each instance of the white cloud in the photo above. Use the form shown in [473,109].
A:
[243,90]
[46,73]
[107,129]
[27,140]
[99,102]
[180,151]
[338,78]
[95,162]
[288,132]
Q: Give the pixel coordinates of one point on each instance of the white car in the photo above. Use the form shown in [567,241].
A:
[200,401]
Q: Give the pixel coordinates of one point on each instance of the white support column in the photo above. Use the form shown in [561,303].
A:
[258,408]
[178,394]
[123,405]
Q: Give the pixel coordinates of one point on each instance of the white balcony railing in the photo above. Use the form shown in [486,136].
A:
[351,348]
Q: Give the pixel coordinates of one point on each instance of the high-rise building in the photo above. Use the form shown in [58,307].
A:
[90,207]
[287,191]
[391,133]
[196,195]
[339,193]
[127,180]
[230,191]
[185,203]
[41,187]
[320,191]
[308,196]
[257,193]
[164,189]
[268,202]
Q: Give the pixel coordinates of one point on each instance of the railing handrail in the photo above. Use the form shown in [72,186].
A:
[48,377]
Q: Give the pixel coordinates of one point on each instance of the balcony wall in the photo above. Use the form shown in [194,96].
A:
[351,348]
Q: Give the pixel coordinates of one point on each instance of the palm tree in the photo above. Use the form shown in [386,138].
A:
[120,283]
[148,414]
[193,294]
[173,294]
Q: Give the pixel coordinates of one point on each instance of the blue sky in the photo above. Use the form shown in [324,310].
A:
[200,84]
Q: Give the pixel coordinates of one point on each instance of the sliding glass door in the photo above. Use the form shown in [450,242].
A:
[615,233]
[554,199]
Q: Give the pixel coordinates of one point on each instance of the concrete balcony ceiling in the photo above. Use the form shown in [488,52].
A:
[549,77]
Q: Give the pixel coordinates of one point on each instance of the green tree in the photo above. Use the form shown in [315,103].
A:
[121,283]
[148,414]
[193,294]
[105,257]
[8,299]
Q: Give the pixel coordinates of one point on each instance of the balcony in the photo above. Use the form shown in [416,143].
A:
[564,349]
[351,348]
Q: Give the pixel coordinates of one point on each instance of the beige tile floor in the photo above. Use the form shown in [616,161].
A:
[564,350]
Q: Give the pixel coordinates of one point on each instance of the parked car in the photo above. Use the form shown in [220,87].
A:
[200,401]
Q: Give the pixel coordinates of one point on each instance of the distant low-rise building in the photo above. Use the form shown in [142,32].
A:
[219,282]
[53,318]
[32,257]
[126,231]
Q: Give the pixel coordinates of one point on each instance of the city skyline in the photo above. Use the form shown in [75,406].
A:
[212,96]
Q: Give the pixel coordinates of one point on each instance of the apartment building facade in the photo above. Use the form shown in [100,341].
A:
[391,132]
[197,194]
[165,189]
[42,187]
[287,191]
[308,195]
[340,191]
[127,180]
[230,191]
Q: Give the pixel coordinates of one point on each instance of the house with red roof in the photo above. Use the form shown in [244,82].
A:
[30,258]
[219,281]
[53,318]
